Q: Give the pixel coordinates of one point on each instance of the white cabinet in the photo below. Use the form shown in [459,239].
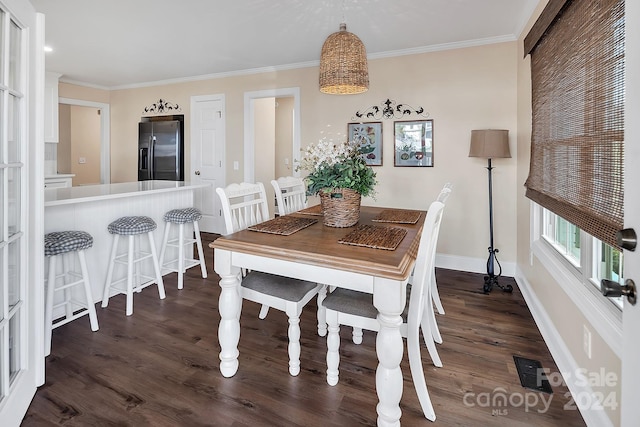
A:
[51,107]
[57,182]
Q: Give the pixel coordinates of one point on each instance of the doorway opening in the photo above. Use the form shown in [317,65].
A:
[85,125]
[260,114]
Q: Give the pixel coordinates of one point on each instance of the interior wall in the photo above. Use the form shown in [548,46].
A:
[85,144]
[265,146]
[462,89]
[284,138]
[64,139]
[565,316]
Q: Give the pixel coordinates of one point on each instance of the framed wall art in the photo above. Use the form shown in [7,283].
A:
[413,143]
[369,136]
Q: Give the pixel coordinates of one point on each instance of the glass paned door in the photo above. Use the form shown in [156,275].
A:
[13,212]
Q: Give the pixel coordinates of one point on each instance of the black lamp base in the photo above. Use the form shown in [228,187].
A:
[491,280]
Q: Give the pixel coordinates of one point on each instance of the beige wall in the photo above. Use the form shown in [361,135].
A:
[79,136]
[265,145]
[85,143]
[284,137]
[462,89]
[567,319]
[64,139]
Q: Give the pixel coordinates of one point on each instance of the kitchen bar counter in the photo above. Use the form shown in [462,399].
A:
[92,193]
[91,208]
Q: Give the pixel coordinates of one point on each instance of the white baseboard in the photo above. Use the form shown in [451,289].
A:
[561,355]
[472,265]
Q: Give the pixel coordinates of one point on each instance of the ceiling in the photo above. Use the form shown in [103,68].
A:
[122,43]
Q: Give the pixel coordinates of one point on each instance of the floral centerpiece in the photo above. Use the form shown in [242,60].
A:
[339,174]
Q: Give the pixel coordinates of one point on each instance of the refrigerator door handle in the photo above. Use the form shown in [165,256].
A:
[152,153]
[142,159]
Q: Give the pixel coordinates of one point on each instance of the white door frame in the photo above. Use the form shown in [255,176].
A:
[629,407]
[105,141]
[249,131]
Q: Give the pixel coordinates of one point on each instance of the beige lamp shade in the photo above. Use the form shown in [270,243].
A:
[489,143]
[343,64]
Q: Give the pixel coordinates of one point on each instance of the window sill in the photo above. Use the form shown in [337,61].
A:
[603,316]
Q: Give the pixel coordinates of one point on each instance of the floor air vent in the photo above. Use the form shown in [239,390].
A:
[531,374]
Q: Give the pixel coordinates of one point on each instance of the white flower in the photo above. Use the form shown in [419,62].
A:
[326,153]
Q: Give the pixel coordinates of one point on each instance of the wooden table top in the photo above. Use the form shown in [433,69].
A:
[318,245]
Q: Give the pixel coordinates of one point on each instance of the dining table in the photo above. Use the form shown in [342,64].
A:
[330,256]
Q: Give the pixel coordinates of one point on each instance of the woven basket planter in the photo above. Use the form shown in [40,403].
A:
[340,207]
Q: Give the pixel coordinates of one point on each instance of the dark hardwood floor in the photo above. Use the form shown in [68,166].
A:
[159,367]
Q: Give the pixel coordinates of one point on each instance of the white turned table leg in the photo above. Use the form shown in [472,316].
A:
[333,348]
[229,307]
[389,299]
[294,345]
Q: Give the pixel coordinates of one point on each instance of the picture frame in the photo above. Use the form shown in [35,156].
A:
[413,143]
[369,136]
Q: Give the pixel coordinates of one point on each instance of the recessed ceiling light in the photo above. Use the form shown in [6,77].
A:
[48,49]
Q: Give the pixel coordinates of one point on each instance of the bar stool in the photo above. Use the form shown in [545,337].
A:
[63,244]
[132,226]
[182,217]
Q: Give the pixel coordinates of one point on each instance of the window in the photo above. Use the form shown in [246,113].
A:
[588,258]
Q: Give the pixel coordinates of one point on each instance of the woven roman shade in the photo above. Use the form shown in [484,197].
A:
[577,147]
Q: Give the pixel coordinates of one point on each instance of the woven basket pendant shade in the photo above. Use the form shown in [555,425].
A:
[343,64]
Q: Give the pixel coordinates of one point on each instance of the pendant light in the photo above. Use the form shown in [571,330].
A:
[343,64]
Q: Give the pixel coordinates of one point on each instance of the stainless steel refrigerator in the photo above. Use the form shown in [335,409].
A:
[161,150]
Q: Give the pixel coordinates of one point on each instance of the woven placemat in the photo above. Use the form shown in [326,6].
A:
[284,225]
[375,236]
[312,210]
[399,216]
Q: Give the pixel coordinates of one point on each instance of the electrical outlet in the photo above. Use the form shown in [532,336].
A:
[82,160]
[236,165]
[586,341]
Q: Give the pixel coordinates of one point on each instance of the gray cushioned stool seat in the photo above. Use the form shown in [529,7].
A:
[131,225]
[278,286]
[59,242]
[183,216]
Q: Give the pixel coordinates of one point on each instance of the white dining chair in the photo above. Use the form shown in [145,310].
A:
[435,295]
[356,309]
[290,197]
[244,205]
[290,194]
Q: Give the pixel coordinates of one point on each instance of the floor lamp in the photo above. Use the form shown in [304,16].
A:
[491,144]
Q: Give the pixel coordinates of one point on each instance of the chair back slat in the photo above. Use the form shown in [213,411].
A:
[290,194]
[422,276]
[445,192]
[243,205]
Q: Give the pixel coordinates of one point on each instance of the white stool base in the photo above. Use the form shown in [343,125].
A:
[182,263]
[133,257]
[73,308]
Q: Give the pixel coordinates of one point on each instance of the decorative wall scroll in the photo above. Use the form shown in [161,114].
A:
[389,110]
[162,106]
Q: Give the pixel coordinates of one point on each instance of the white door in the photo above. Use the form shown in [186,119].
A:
[21,208]
[207,158]
[631,314]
